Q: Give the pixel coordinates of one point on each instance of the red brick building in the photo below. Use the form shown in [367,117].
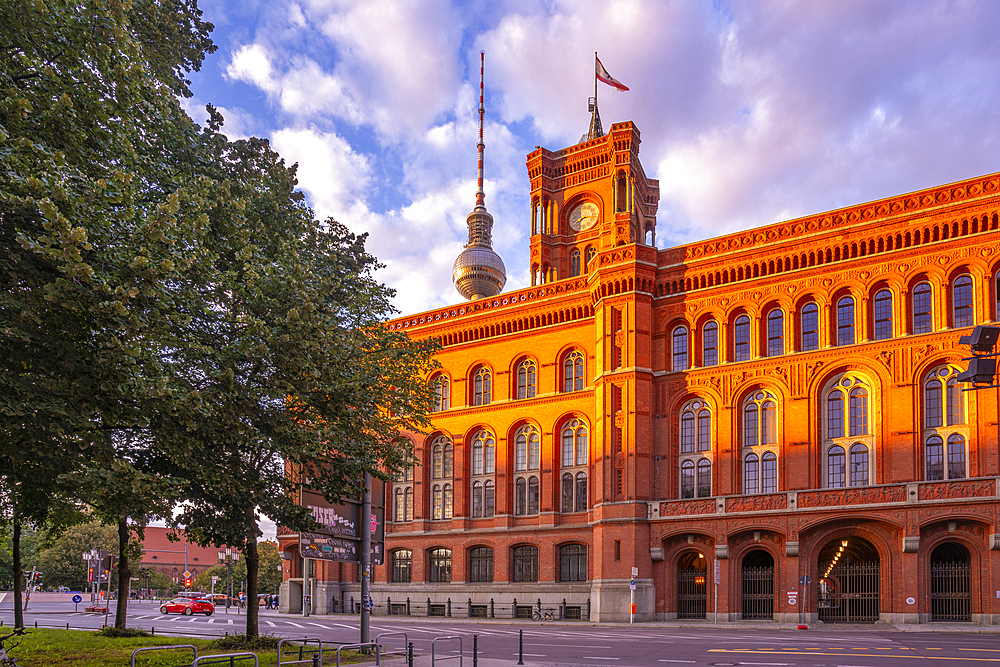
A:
[173,558]
[769,405]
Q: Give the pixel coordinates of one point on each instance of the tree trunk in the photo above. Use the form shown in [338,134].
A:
[123,575]
[253,566]
[16,570]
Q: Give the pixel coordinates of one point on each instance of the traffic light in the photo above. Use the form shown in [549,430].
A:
[187,582]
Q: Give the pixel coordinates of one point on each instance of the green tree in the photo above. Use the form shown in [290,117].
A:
[62,562]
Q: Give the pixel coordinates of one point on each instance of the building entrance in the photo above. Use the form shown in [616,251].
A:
[692,588]
[848,586]
[758,585]
[951,589]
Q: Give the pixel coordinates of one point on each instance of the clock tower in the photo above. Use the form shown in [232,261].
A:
[587,198]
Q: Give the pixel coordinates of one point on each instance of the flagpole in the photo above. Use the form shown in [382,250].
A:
[595,78]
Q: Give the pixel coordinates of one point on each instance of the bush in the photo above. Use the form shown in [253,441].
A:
[242,642]
[110,631]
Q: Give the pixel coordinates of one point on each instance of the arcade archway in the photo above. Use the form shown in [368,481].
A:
[951,583]
[692,585]
[849,581]
[758,585]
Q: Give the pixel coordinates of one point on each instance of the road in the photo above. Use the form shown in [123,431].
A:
[580,643]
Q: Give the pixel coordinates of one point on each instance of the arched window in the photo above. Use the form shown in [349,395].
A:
[484,454]
[845,321]
[848,440]
[679,351]
[687,479]
[741,338]
[574,263]
[809,336]
[440,565]
[482,386]
[769,473]
[961,298]
[883,314]
[922,321]
[402,566]
[573,562]
[760,442]
[944,423]
[710,344]
[573,371]
[696,453]
[751,469]
[442,392]
[480,565]
[525,562]
[704,478]
[574,444]
[775,332]
[526,379]
[590,256]
[442,456]
[526,448]
[403,496]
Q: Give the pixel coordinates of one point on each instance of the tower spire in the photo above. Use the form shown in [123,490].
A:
[478,271]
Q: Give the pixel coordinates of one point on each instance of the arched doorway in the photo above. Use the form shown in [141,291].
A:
[758,585]
[692,585]
[951,583]
[849,577]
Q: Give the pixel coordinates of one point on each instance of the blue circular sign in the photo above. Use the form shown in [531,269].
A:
[77,598]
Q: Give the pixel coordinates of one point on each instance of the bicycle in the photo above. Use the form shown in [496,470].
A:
[541,616]
[6,660]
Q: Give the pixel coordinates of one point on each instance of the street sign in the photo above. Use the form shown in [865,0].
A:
[718,567]
[805,580]
[186,574]
[635,572]
[632,585]
[77,599]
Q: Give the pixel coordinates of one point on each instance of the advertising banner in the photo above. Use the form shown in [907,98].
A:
[340,534]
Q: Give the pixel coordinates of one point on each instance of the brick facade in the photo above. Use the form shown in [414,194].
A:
[823,413]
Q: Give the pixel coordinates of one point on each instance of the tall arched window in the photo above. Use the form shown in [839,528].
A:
[679,349]
[403,496]
[710,343]
[575,459]
[848,439]
[809,334]
[442,456]
[696,451]
[482,386]
[741,338]
[480,564]
[590,256]
[484,453]
[574,263]
[402,566]
[944,423]
[573,371]
[922,320]
[961,298]
[775,332]
[882,308]
[442,392]
[526,379]
[760,442]
[845,321]
[440,565]
[525,563]
[527,454]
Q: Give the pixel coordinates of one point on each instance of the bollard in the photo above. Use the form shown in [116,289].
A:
[520,647]
[514,607]
[539,605]
[388,606]
[449,607]
[67,626]
[407,606]
[315,660]
[352,604]
[588,609]
[428,606]
[492,615]
[475,650]
[152,630]
[409,655]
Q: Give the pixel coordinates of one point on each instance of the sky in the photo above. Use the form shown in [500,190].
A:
[750,112]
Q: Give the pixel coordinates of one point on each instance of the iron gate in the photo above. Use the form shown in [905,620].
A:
[692,593]
[758,593]
[951,592]
[850,594]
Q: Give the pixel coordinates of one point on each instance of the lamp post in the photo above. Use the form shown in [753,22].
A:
[229,556]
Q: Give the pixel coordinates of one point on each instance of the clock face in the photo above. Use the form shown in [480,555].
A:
[584,216]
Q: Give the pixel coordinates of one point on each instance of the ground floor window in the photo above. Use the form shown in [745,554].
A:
[573,562]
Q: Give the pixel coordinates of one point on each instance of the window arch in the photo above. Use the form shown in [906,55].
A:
[442,458]
[848,440]
[527,454]
[440,565]
[442,392]
[679,349]
[573,562]
[882,311]
[760,442]
[573,371]
[696,450]
[480,565]
[961,300]
[921,304]
[945,431]
[402,566]
[574,263]
[809,327]
[741,338]
[575,460]
[710,343]
[484,449]
[524,560]
[591,252]
[845,321]
[775,332]
[527,378]
[403,496]
[482,386]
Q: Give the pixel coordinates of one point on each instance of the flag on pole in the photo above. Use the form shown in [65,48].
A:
[604,77]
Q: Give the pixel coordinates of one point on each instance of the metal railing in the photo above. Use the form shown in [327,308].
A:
[162,648]
[223,658]
[406,641]
[511,608]
[451,657]
[305,642]
[366,645]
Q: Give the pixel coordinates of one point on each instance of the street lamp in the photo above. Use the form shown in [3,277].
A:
[229,556]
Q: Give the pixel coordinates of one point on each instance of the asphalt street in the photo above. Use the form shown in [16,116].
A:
[573,643]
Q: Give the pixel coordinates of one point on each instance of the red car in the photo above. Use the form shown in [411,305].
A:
[187,606]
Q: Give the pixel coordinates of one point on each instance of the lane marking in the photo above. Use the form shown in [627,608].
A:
[686,661]
[860,655]
[598,657]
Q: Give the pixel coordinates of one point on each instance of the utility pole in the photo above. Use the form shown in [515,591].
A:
[366,556]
